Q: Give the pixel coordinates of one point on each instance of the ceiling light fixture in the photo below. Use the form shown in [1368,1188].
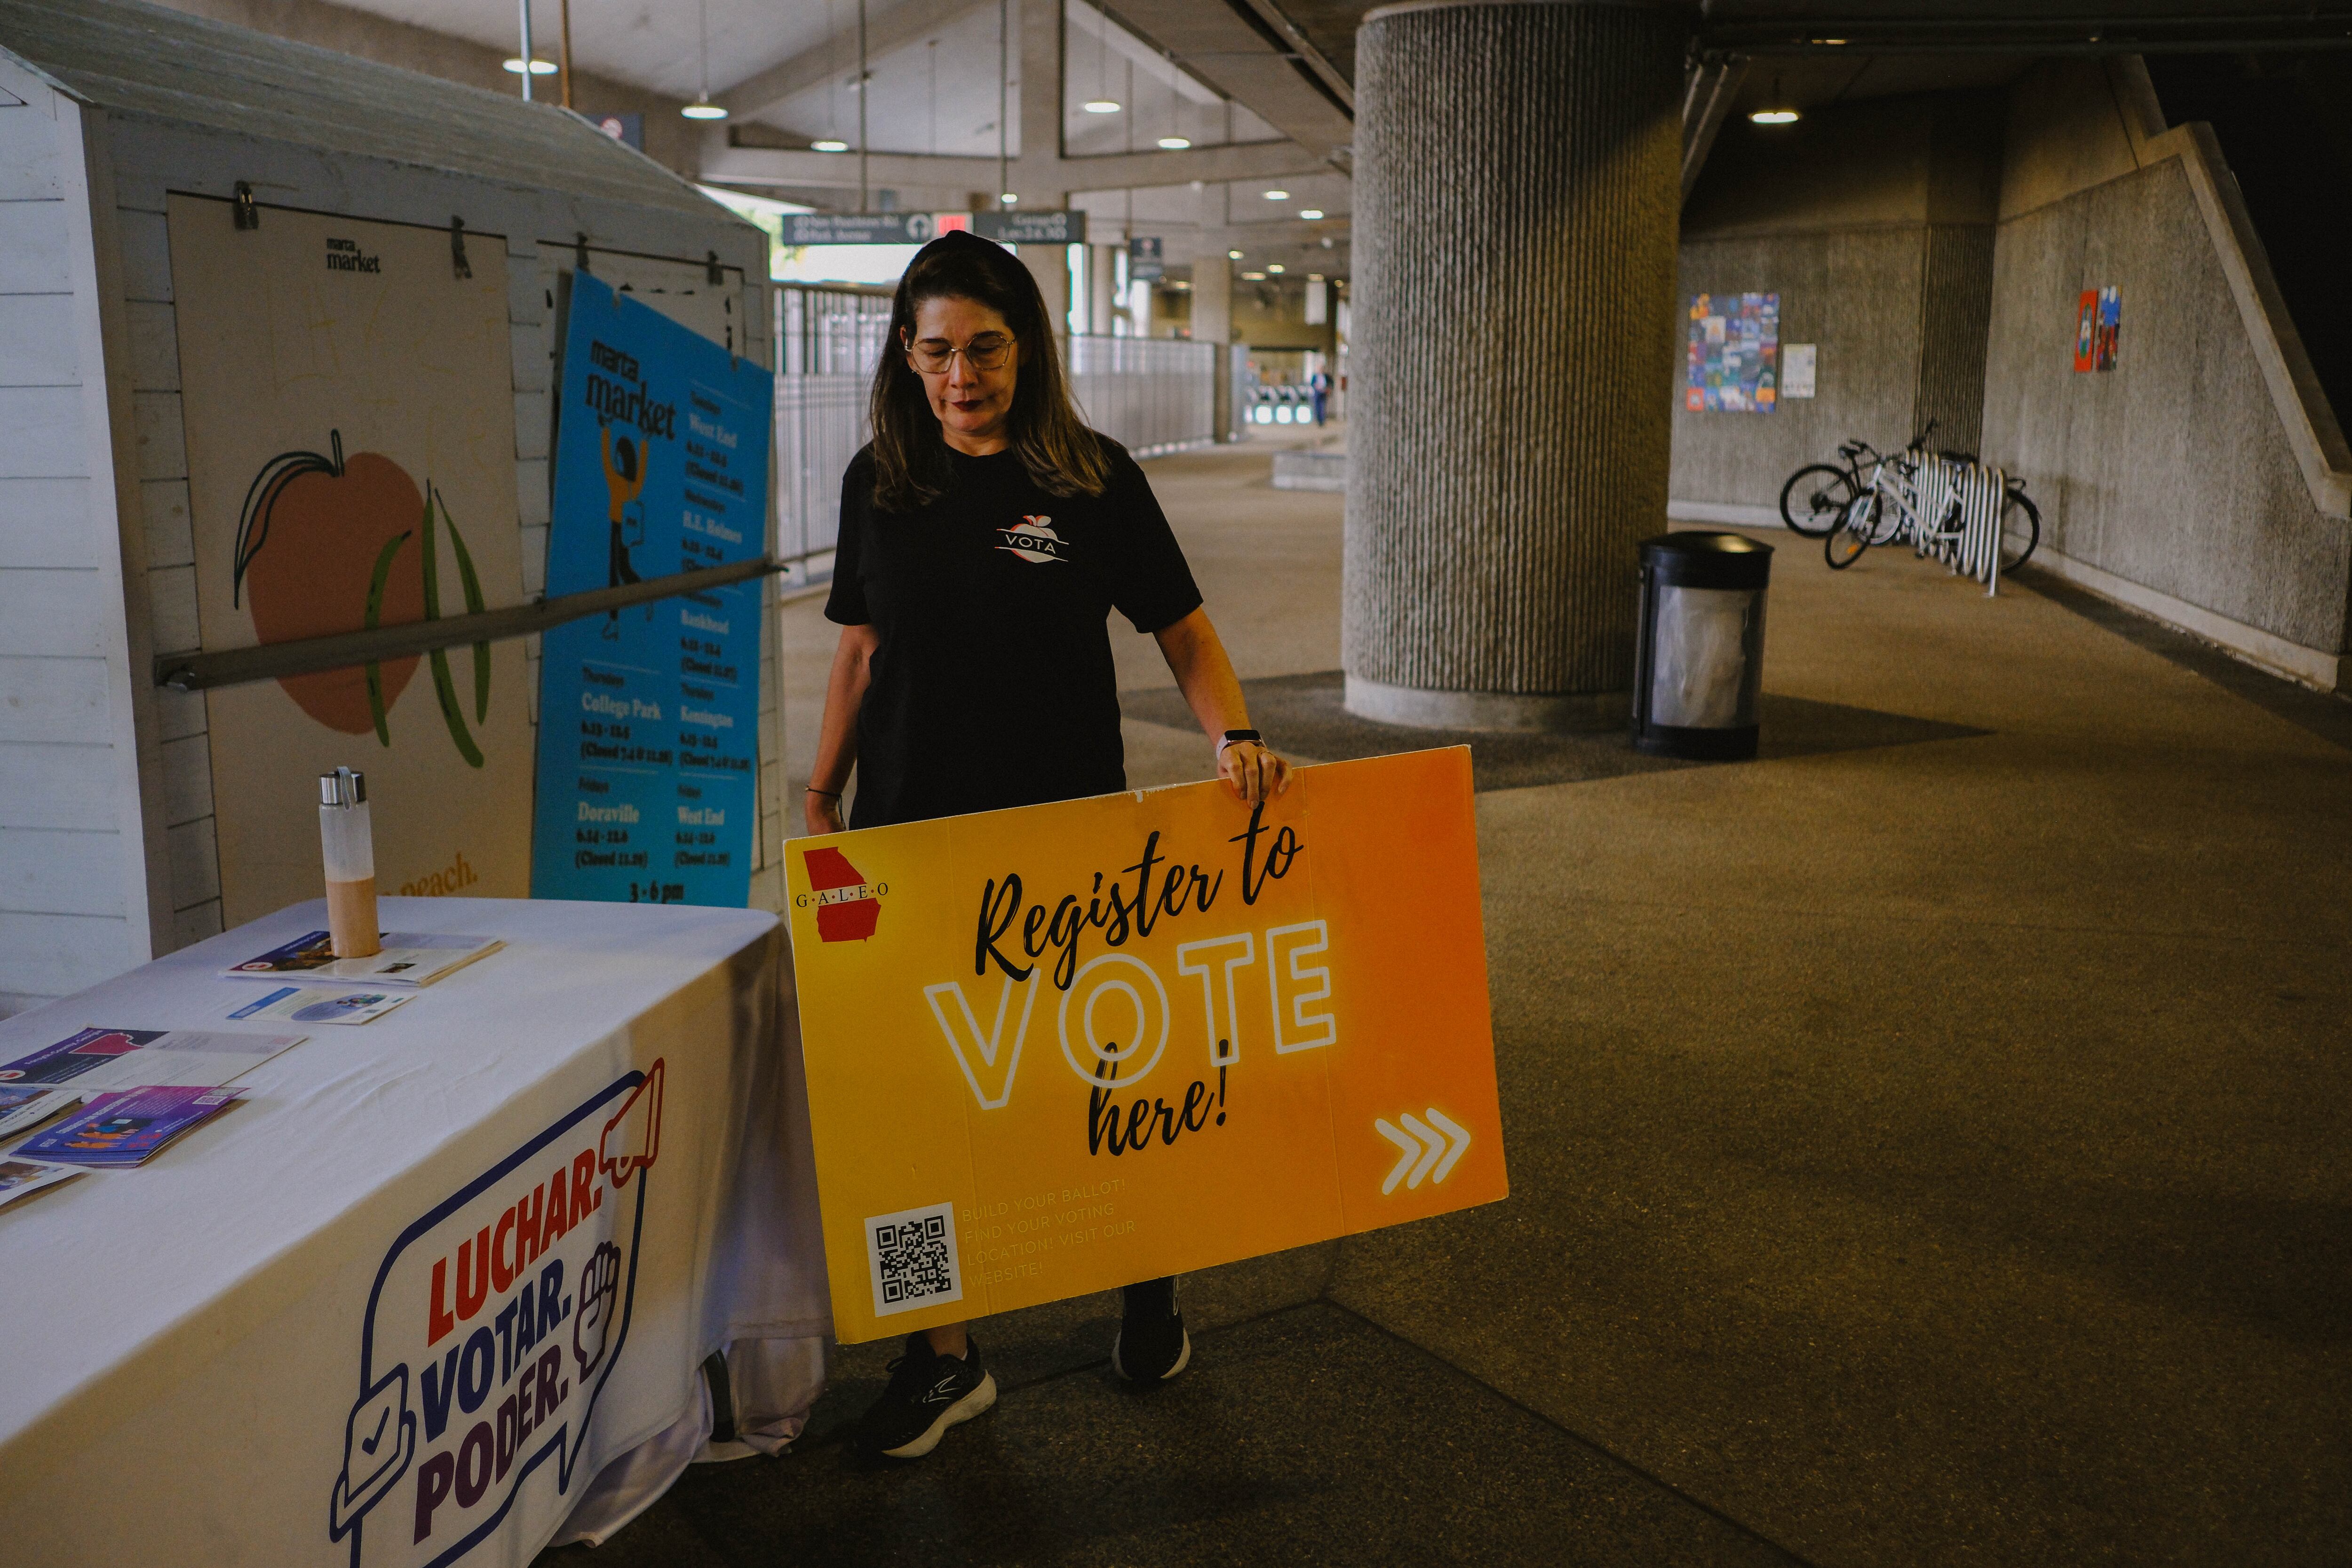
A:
[1310,212]
[1175,144]
[1253,277]
[1233,256]
[1773,117]
[829,145]
[1277,196]
[1102,105]
[1008,198]
[538,67]
[1274,267]
[702,108]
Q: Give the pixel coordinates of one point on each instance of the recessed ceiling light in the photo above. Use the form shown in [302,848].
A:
[1774,116]
[1175,144]
[1233,256]
[828,145]
[1277,196]
[1102,106]
[538,67]
[1008,198]
[1275,267]
[1310,212]
[1253,277]
[704,110]
[1315,277]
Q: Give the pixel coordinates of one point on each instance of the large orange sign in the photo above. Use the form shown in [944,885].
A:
[1062,1048]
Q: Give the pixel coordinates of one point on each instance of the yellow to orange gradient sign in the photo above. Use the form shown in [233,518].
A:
[1066,1047]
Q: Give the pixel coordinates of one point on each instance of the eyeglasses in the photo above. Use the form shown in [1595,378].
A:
[933,355]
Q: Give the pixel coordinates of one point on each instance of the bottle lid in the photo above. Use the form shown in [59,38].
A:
[342,787]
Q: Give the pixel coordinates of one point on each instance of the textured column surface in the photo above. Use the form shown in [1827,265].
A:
[1517,176]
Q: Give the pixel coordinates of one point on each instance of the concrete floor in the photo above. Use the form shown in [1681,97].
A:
[1922,1152]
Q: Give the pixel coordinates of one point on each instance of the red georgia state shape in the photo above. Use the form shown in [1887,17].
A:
[850,921]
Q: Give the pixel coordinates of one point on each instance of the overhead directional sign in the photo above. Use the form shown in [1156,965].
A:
[1144,262]
[1055,228]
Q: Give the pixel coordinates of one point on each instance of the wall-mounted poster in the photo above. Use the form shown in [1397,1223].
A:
[348,396]
[1735,341]
[1799,361]
[2098,323]
[649,717]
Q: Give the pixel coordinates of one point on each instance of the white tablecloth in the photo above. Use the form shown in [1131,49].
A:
[261,1349]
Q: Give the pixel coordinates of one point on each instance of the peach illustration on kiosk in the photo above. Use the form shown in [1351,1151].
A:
[328,543]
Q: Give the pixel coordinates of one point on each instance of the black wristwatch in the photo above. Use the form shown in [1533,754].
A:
[1236,737]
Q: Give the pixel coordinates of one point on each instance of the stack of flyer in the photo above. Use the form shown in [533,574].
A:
[128,1126]
[409,959]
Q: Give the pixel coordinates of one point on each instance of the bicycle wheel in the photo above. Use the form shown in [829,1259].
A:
[1843,547]
[1815,498]
[2021,531]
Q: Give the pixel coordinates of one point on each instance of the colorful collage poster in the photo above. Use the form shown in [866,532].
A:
[649,716]
[2098,323]
[1735,345]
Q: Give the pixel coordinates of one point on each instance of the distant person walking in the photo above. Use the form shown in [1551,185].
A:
[986,535]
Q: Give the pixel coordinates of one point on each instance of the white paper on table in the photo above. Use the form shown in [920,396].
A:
[19,1177]
[137,1058]
[23,1107]
[317,1004]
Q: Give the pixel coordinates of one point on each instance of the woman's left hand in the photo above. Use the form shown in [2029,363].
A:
[1253,773]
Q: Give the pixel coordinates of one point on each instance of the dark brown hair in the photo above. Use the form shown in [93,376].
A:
[910,462]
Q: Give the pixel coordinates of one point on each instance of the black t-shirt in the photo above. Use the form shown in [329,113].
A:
[993,685]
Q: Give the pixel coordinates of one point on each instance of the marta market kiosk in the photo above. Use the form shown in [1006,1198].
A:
[191,1354]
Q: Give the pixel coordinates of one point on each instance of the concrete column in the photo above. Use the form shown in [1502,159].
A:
[1212,323]
[1102,287]
[1517,176]
[1050,264]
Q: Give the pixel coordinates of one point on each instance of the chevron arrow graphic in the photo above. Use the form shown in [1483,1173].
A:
[1428,1151]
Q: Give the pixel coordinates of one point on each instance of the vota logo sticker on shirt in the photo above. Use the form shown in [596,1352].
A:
[495,1322]
[848,907]
[1033,539]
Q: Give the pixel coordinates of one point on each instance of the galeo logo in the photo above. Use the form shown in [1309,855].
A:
[848,907]
[1033,539]
[511,1299]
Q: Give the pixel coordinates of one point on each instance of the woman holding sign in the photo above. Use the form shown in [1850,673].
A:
[986,535]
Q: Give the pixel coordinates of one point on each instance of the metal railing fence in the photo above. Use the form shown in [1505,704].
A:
[1152,396]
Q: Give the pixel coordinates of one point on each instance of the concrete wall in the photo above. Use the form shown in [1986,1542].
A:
[1872,222]
[2175,473]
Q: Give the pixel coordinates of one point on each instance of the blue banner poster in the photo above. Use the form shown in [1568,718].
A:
[649,717]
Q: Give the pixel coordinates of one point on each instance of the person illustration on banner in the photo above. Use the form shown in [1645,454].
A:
[625,480]
[986,535]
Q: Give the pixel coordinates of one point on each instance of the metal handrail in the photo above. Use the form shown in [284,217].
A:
[272,661]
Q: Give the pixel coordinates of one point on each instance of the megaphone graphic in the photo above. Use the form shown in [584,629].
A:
[631,1140]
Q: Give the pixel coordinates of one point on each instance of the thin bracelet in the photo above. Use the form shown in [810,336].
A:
[828,793]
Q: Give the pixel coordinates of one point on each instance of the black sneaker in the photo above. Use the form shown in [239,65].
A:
[1152,1345]
[929,1393]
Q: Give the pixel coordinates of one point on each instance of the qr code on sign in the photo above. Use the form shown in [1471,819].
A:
[911,1257]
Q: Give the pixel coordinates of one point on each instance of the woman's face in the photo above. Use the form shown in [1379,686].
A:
[973,404]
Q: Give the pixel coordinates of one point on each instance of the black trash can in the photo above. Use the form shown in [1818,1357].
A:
[1700,663]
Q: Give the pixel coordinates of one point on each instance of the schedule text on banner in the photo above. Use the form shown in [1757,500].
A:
[1066,1047]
